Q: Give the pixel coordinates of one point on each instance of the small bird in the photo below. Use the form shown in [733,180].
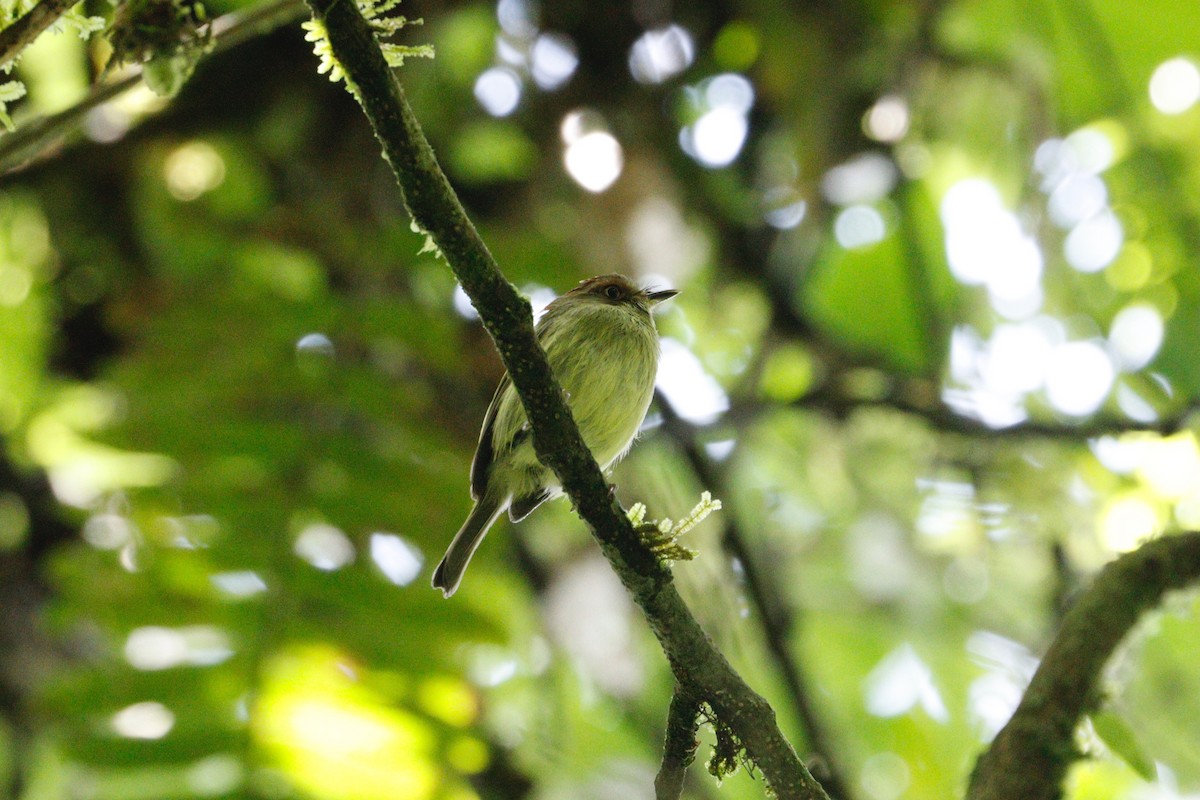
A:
[603,347]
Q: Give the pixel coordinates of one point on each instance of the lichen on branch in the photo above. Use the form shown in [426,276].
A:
[378,15]
[662,536]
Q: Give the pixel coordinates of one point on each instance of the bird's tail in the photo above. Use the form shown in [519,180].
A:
[449,573]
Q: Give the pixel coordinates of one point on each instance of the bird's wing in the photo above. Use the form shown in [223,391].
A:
[484,452]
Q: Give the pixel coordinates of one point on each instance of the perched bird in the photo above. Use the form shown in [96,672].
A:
[601,342]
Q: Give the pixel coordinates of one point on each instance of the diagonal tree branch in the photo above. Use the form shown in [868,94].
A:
[777,622]
[697,664]
[1030,756]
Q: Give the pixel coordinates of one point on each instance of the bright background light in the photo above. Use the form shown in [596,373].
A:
[1094,243]
[324,546]
[660,54]
[192,170]
[692,392]
[864,178]
[396,558]
[717,136]
[147,720]
[1175,86]
[858,226]
[887,120]
[1079,377]
[498,90]
[594,160]
[986,244]
[553,60]
[1137,333]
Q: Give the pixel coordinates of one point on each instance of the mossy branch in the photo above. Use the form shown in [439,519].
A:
[696,662]
[679,747]
[1030,756]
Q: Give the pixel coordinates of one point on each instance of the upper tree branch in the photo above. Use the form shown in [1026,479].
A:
[507,316]
[1030,756]
[34,137]
[17,36]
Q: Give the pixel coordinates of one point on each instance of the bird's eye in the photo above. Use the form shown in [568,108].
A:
[612,292]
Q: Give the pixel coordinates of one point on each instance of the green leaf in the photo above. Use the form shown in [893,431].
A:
[1116,734]
[165,75]
[9,92]
[865,297]
[492,151]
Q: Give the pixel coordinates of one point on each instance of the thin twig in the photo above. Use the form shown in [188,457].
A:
[917,398]
[21,33]
[778,623]
[434,206]
[1030,756]
[947,421]
[679,746]
[35,137]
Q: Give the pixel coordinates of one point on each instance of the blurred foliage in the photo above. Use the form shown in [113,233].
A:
[936,349]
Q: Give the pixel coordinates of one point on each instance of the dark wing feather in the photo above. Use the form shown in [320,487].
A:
[482,464]
[522,507]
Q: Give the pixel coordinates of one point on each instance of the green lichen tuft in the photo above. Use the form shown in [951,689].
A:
[383,24]
[662,536]
[729,754]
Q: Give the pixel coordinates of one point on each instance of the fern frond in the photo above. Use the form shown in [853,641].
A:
[9,91]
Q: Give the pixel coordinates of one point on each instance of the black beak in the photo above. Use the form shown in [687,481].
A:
[657,297]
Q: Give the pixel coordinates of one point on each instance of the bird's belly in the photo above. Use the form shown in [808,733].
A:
[609,402]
